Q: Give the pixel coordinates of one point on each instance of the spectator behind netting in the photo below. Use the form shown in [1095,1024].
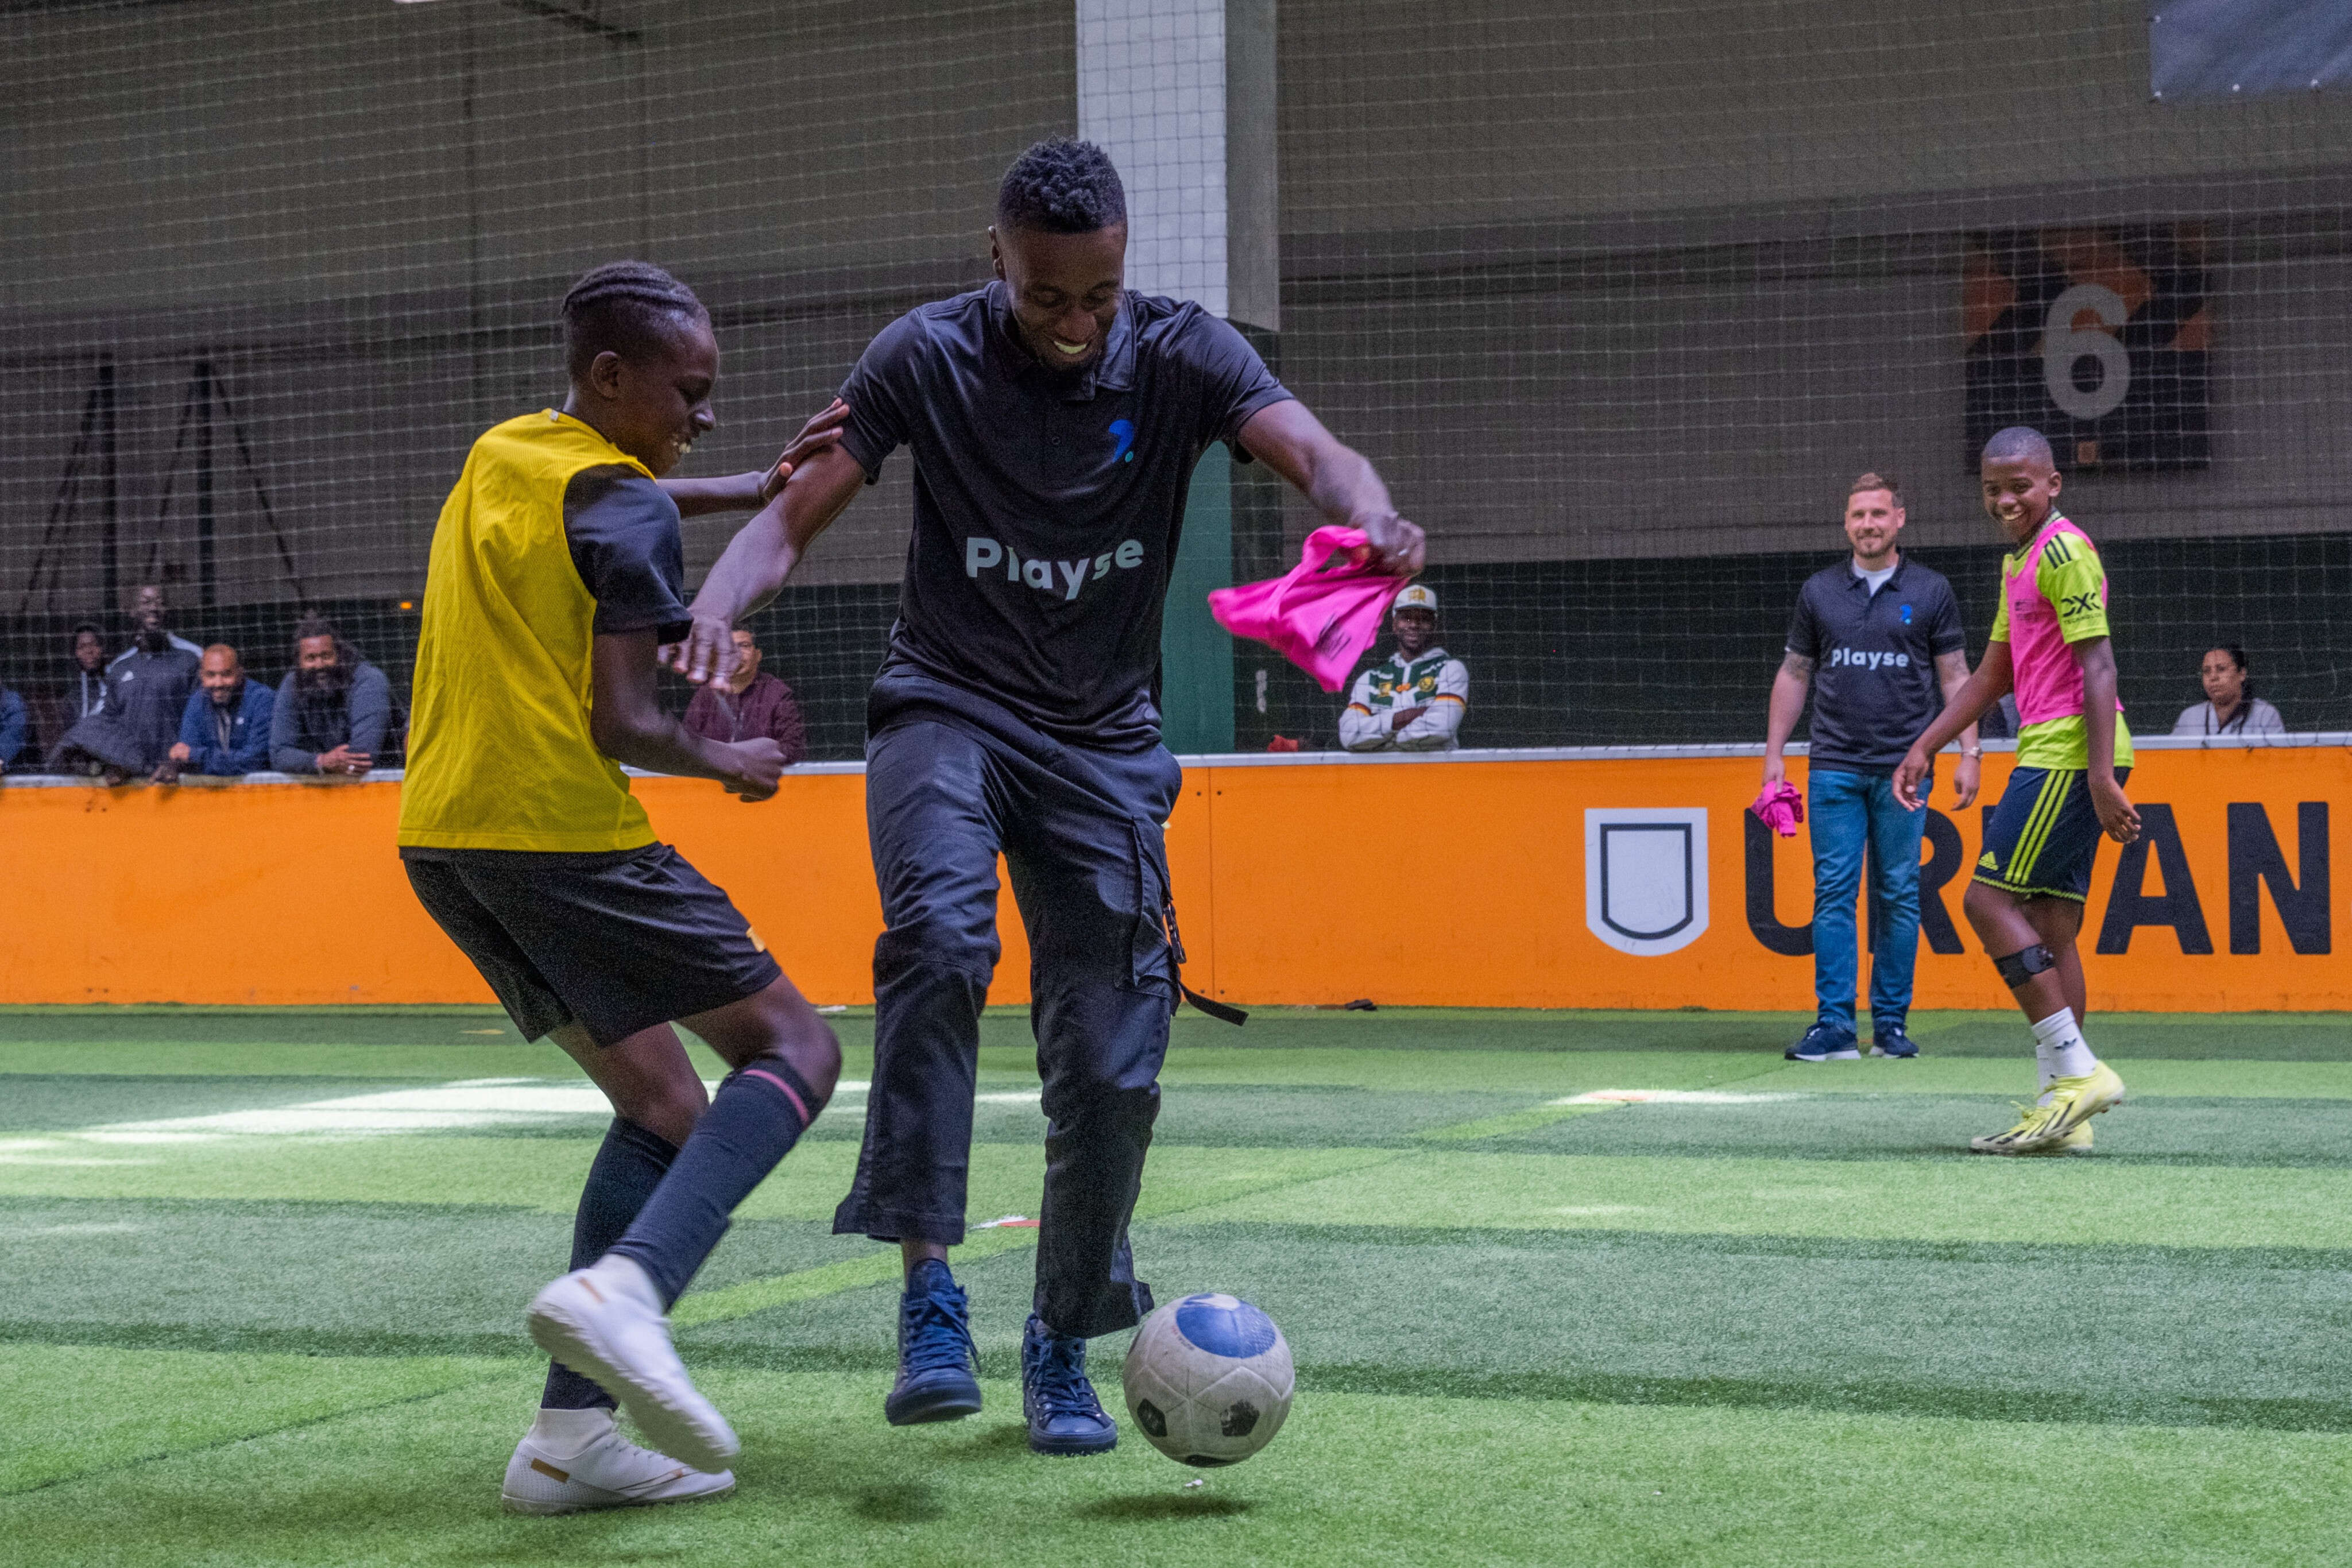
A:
[14,722]
[333,709]
[151,595]
[85,693]
[2230,707]
[224,728]
[748,704]
[146,689]
[1414,699]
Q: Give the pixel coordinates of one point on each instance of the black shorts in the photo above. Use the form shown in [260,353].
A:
[619,942]
[2044,834]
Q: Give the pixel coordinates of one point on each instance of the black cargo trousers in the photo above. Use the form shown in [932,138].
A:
[950,781]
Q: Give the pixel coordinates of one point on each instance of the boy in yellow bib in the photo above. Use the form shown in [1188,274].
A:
[556,570]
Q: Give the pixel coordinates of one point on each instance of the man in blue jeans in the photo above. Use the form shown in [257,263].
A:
[1878,639]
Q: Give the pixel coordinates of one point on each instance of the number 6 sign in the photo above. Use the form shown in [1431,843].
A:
[2064,346]
[2097,337]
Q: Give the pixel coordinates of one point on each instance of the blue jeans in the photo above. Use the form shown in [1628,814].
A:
[1845,812]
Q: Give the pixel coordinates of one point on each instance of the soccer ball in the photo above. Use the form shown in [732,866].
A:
[1208,1380]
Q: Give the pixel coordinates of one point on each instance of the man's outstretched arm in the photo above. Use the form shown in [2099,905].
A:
[750,492]
[1342,484]
[761,555]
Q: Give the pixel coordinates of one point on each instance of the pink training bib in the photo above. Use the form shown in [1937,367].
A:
[1322,617]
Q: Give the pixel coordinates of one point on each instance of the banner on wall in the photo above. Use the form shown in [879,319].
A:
[2098,338]
[2228,900]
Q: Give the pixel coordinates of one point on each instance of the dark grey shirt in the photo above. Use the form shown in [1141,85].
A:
[302,725]
[1048,506]
[623,530]
[1874,658]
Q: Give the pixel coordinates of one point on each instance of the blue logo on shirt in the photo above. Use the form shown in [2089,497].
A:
[1125,429]
[1907,615]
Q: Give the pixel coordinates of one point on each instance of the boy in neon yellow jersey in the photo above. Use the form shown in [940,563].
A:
[2049,645]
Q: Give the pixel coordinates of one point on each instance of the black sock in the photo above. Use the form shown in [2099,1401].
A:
[759,1112]
[626,1171]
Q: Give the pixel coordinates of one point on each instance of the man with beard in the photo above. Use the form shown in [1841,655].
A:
[334,708]
[146,689]
[224,730]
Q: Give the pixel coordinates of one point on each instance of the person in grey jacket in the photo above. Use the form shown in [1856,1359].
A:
[146,688]
[333,709]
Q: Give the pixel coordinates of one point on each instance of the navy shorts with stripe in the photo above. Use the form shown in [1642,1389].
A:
[619,941]
[2043,835]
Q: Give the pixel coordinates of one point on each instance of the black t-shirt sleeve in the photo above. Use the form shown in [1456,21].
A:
[1234,382]
[1944,635]
[881,393]
[627,549]
[1805,627]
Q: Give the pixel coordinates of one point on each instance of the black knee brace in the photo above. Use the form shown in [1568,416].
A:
[2020,967]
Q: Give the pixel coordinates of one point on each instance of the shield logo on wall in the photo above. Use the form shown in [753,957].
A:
[1646,877]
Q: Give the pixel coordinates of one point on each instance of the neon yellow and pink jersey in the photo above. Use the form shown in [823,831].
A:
[2053,594]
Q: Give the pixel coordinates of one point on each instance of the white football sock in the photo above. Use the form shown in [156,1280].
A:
[564,1433]
[2060,1048]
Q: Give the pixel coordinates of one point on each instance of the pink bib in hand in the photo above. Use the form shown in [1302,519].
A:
[1323,617]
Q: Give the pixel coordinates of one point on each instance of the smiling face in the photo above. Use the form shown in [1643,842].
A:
[222,674]
[1065,289]
[2018,493]
[1415,629]
[151,608]
[89,652]
[654,405]
[2225,679]
[1872,520]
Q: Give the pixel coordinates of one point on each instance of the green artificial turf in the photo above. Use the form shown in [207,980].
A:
[1354,1478]
[1789,1323]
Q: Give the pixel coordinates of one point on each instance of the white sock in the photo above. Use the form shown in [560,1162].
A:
[564,1433]
[2060,1048]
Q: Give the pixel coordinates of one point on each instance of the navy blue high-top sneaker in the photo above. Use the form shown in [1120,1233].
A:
[936,1381]
[1065,1416]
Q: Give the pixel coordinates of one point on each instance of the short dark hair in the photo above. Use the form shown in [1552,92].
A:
[625,308]
[93,627]
[2019,444]
[1874,481]
[1062,186]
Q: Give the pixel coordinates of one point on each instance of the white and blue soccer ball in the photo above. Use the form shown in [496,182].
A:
[1208,1379]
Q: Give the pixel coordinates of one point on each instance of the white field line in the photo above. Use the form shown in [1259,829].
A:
[1668,1097]
[432,1108]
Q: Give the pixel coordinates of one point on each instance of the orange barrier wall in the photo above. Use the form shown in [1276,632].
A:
[1458,882]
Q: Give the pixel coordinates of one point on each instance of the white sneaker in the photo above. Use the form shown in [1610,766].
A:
[605,1322]
[552,1474]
